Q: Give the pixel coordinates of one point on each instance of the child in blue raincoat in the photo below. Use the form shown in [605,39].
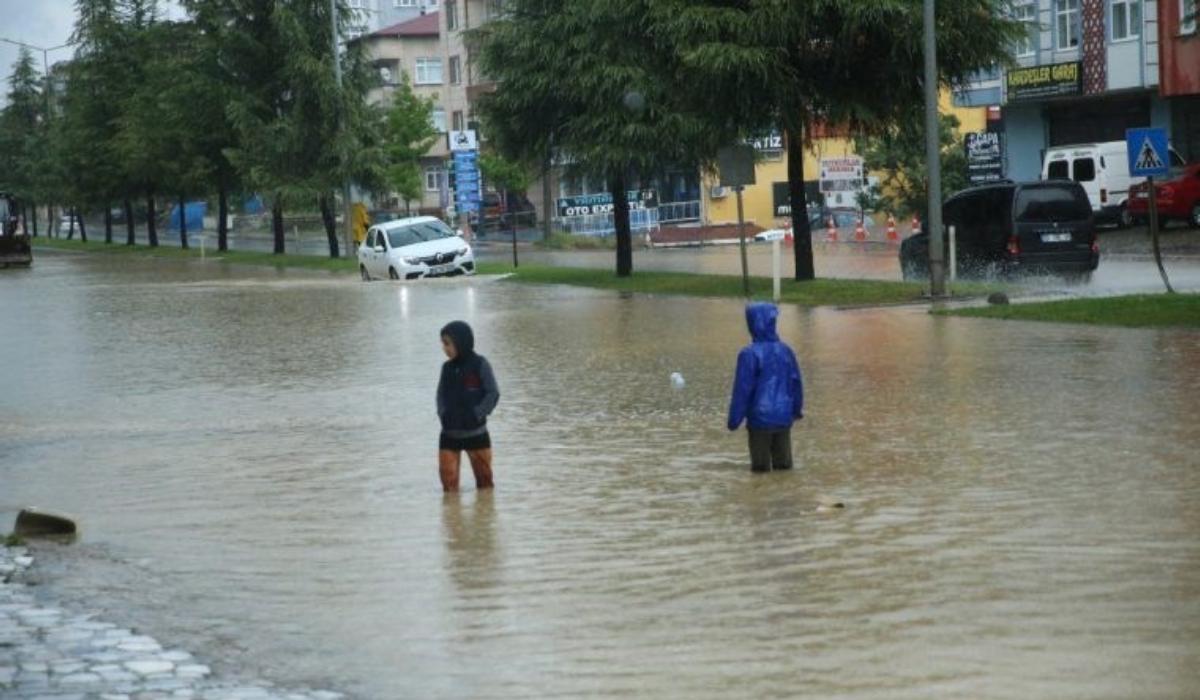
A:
[768,392]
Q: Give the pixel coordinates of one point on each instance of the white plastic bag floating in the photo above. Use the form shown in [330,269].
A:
[677,381]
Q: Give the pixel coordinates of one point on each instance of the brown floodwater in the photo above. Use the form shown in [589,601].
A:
[251,454]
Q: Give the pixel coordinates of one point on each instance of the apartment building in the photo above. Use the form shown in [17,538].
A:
[373,15]
[1179,61]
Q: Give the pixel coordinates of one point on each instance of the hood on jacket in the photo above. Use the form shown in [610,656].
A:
[760,318]
[462,337]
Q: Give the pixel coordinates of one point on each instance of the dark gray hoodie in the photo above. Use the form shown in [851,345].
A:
[467,391]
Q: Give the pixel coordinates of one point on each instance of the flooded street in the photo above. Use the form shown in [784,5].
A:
[251,454]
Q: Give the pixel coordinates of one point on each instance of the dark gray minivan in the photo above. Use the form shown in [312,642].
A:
[1010,227]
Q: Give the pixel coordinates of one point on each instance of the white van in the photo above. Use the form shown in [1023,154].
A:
[1103,170]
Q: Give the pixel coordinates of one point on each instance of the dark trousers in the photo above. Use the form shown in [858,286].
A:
[770,449]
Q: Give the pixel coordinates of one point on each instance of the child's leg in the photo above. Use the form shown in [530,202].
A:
[481,464]
[781,449]
[760,450]
[448,464]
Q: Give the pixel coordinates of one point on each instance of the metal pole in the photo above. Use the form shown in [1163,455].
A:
[1154,233]
[347,207]
[776,270]
[953,261]
[742,242]
[937,268]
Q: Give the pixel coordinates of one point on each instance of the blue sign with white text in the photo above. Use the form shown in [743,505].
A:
[1148,155]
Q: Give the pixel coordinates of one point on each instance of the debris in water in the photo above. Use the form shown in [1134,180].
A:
[677,381]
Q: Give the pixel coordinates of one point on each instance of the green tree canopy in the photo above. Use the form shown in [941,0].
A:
[409,135]
[897,154]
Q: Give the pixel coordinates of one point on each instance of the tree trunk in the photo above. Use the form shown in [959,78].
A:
[330,220]
[277,225]
[25,219]
[151,224]
[798,199]
[621,221]
[222,219]
[33,210]
[71,223]
[108,223]
[82,227]
[183,241]
[129,237]
[547,200]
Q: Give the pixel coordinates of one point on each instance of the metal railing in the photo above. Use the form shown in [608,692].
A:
[676,212]
[640,220]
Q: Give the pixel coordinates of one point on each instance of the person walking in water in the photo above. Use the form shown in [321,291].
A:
[768,392]
[467,394]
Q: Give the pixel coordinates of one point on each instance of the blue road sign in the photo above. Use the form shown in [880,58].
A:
[1148,156]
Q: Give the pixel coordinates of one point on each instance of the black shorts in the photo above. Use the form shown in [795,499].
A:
[470,444]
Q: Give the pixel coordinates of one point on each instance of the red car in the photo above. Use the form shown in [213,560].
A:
[1178,198]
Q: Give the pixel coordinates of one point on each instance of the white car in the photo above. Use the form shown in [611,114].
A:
[410,249]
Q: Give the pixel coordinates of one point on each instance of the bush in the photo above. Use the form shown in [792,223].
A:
[566,241]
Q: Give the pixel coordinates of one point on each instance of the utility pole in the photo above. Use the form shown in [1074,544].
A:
[348,209]
[933,161]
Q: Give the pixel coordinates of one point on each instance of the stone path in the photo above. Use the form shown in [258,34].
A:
[49,654]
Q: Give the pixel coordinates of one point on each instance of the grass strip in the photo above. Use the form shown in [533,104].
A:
[1134,311]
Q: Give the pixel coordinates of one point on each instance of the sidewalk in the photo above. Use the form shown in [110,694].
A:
[51,654]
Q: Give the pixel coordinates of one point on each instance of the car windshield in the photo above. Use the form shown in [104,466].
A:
[1052,204]
[419,233]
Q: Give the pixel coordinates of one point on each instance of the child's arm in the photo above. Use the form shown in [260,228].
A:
[441,395]
[743,387]
[797,380]
[491,391]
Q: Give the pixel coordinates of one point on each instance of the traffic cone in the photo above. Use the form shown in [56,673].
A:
[892,234]
[831,235]
[788,237]
[916,225]
[860,232]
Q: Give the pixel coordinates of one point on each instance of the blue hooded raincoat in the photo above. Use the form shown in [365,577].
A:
[768,392]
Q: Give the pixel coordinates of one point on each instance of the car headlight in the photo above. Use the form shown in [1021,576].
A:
[463,251]
[412,261]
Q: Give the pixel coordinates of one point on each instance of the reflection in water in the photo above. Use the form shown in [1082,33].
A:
[253,457]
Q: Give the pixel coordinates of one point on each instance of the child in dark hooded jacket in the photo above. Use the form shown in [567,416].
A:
[768,392]
[467,394]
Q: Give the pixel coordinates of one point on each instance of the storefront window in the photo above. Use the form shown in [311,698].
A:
[1066,23]
[1187,16]
[1126,19]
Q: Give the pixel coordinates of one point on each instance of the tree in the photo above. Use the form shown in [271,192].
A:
[409,136]
[23,131]
[587,80]
[854,65]
[897,153]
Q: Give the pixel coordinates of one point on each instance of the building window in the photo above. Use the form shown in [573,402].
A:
[438,118]
[434,177]
[1187,16]
[1027,14]
[428,71]
[456,120]
[1066,24]
[404,3]
[1126,19]
[451,15]
[455,71]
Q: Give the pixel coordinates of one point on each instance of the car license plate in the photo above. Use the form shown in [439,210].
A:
[1056,238]
[440,269]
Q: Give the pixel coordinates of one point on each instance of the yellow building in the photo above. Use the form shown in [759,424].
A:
[720,205]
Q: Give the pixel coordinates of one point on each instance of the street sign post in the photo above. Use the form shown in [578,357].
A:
[736,165]
[1150,158]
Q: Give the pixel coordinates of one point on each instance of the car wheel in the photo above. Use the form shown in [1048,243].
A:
[1125,217]
[911,271]
[366,276]
[1194,219]
[392,274]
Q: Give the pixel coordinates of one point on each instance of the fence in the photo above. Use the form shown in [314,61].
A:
[640,220]
[677,212]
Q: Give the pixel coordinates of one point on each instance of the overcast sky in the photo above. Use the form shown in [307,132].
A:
[44,23]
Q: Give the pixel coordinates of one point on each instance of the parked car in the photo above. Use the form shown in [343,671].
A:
[1177,198]
[1103,171]
[1009,227]
[414,248]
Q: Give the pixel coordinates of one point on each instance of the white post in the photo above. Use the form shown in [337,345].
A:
[953,255]
[201,245]
[775,269]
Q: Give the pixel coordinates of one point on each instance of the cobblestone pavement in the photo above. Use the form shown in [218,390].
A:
[51,654]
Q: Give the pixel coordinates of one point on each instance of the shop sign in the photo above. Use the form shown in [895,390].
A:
[1040,82]
[985,157]
[589,204]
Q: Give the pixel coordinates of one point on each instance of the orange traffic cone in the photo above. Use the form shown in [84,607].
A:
[831,232]
[860,232]
[892,234]
[916,225]
[788,238]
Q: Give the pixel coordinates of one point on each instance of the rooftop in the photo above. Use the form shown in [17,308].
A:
[424,26]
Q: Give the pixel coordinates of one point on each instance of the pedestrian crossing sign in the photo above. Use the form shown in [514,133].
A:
[1147,149]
